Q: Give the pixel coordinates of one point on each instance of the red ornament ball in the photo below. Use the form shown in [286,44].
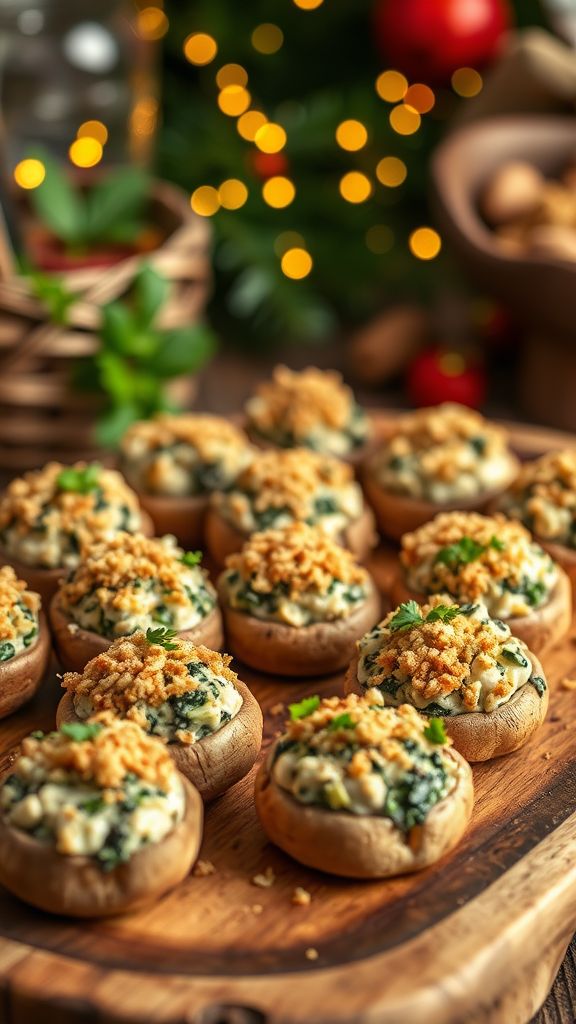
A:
[268,165]
[429,39]
[440,375]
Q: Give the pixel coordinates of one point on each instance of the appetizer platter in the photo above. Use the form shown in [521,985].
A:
[267,891]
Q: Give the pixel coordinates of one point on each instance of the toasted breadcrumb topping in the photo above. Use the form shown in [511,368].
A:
[428,430]
[298,557]
[367,725]
[208,435]
[306,407]
[119,748]
[15,601]
[508,548]
[133,669]
[544,496]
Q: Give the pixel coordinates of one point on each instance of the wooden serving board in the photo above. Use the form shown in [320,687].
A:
[476,938]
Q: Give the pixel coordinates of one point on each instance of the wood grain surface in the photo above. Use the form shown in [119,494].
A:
[477,938]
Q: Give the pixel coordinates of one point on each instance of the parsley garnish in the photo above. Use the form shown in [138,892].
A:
[80,731]
[191,558]
[303,708]
[409,615]
[466,550]
[342,722]
[435,731]
[162,637]
[81,481]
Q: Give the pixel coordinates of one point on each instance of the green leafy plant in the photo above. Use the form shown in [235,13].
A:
[110,212]
[162,637]
[410,615]
[303,708]
[137,358]
[80,731]
[52,293]
[435,731]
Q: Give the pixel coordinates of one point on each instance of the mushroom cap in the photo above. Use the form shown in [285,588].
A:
[21,676]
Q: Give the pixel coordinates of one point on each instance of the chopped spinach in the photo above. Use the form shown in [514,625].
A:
[409,801]
[7,651]
[515,657]
[539,684]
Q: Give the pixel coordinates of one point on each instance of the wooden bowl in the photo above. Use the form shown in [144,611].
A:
[75,646]
[218,761]
[21,676]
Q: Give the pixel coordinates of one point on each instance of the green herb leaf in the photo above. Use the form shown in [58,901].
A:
[150,294]
[443,613]
[408,615]
[116,205]
[303,708]
[79,732]
[183,350]
[342,722]
[497,544]
[53,294]
[435,731]
[162,637]
[80,481]
[112,427]
[191,558]
[466,550]
[535,592]
[58,204]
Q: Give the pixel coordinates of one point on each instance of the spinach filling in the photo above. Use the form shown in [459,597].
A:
[539,684]
[410,800]
[269,603]
[184,707]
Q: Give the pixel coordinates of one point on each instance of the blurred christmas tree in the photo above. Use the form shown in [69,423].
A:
[304,129]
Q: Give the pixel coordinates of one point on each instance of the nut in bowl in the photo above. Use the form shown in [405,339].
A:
[438,459]
[24,642]
[183,693]
[294,602]
[96,820]
[48,516]
[310,408]
[280,487]
[132,582]
[175,462]
[357,789]
[457,663]
[492,560]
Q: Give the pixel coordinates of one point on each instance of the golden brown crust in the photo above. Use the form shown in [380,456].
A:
[77,886]
[21,676]
[317,649]
[541,629]
[482,735]
[216,762]
[354,458]
[397,514]
[76,646]
[181,516]
[362,846]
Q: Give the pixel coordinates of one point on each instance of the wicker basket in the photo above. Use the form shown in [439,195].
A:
[40,416]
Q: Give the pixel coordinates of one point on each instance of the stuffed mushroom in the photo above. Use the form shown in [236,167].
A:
[24,642]
[280,487]
[130,583]
[310,408]
[457,663]
[175,462]
[438,459]
[295,602]
[181,692]
[494,561]
[362,790]
[49,515]
[96,820]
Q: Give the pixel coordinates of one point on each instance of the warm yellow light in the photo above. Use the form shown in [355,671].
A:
[467,82]
[420,97]
[231,74]
[391,86]
[278,192]
[288,240]
[405,120]
[379,239]
[391,171]
[249,123]
[205,201]
[93,130]
[144,115]
[351,135]
[151,23]
[234,100]
[200,48]
[232,194]
[267,38]
[29,173]
[85,152]
[296,263]
[355,187]
[425,243]
[270,138]
[308,5]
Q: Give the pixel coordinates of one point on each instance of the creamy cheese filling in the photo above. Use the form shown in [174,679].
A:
[337,602]
[23,634]
[328,508]
[475,474]
[320,438]
[494,675]
[80,818]
[179,470]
